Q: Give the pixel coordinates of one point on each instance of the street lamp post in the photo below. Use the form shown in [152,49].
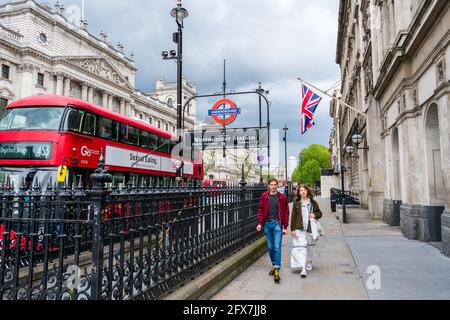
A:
[344,197]
[285,156]
[260,91]
[179,13]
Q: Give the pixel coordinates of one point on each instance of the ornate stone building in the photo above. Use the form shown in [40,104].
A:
[394,58]
[41,52]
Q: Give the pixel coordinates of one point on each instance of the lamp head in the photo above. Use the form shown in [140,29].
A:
[357,139]
[173,53]
[164,54]
[179,13]
[350,149]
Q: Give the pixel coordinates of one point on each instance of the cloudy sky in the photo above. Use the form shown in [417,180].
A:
[272,41]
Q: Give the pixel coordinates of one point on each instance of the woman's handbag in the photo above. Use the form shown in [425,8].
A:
[314,229]
[319,228]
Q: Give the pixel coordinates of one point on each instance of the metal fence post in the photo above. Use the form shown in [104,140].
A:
[243,183]
[98,195]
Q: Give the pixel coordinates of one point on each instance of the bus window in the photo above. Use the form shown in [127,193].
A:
[173,144]
[108,129]
[129,134]
[89,124]
[148,140]
[73,120]
[164,145]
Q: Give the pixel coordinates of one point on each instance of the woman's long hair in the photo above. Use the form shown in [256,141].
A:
[298,196]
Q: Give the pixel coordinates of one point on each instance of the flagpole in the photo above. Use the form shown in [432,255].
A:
[82,10]
[334,98]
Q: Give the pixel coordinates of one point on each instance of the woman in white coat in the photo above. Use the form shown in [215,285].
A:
[305,212]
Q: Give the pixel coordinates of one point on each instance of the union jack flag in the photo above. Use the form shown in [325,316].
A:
[310,102]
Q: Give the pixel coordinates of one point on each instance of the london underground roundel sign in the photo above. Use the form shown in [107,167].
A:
[227,115]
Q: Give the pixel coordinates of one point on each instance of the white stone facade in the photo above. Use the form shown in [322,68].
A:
[395,64]
[41,52]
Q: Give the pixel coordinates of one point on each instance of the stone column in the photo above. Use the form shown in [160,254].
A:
[444,126]
[375,163]
[105,99]
[84,91]
[67,86]
[59,84]
[53,83]
[122,107]
[132,110]
[91,94]
[27,77]
[110,102]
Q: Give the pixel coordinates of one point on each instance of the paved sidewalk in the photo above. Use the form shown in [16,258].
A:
[335,275]
[409,269]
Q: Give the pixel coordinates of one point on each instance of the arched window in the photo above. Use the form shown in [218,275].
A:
[433,156]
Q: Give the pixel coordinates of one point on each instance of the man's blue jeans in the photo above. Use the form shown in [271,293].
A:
[274,236]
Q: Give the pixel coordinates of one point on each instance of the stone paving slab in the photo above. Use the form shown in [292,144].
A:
[409,269]
[335,276]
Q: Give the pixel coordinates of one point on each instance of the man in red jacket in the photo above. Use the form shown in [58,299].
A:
[273,215]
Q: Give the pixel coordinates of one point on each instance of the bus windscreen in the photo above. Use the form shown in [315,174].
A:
[32,118]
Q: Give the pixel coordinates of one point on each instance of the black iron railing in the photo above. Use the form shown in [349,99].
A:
[117,244]
[337,196]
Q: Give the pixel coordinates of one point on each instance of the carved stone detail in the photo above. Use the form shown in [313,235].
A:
[26,67]
[101,68]
[440,72]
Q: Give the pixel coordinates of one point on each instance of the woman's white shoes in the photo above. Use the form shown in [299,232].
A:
[303,274]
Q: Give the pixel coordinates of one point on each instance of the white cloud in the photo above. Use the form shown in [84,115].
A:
[273,41]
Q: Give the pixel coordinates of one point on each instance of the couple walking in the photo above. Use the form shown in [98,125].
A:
[273,217]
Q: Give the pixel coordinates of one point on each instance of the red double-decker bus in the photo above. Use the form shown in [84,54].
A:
[41,133]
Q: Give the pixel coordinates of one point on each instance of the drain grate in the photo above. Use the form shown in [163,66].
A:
[348,272]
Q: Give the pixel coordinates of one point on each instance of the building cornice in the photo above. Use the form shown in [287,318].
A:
[341,31]
[409,82]
[408,42]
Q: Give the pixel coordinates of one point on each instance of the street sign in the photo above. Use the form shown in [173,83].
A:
[229,113]
[177,163]
[62,173]
[260,158]
[236,138]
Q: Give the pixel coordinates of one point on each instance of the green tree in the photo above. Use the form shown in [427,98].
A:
[313,159]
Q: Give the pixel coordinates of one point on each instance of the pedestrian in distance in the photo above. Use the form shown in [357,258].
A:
[273,216]
[305,229]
